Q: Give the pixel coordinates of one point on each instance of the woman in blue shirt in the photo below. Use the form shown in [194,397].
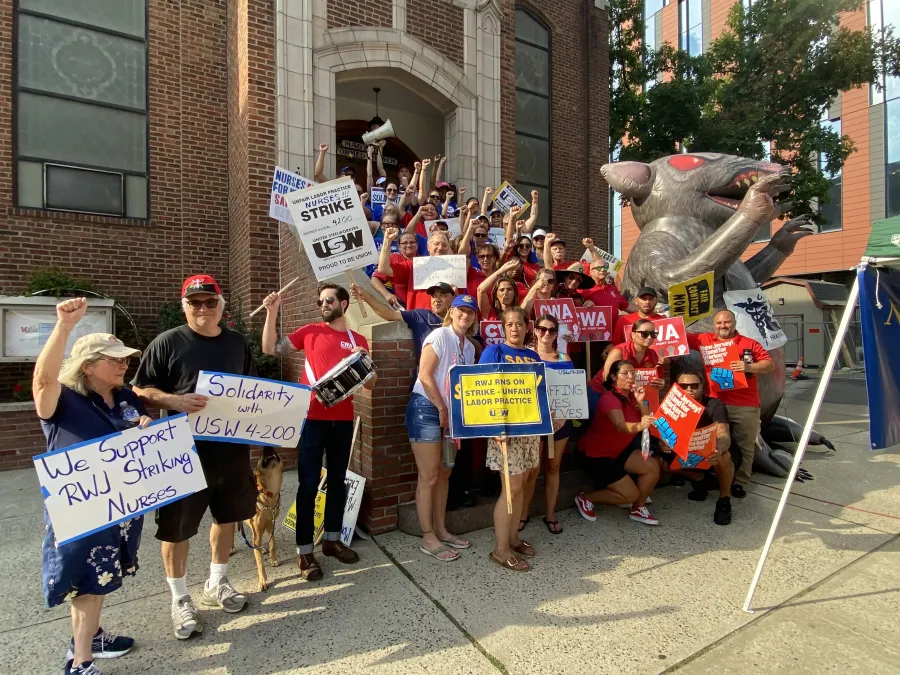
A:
[80,400]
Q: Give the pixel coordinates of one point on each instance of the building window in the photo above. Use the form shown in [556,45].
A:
[690,26]
[831,211]
[81,97]
[892,154]
[533,111]
[765,232]
[651,16]
[882,14]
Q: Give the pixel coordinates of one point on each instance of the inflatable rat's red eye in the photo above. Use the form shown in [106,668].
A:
[685,162]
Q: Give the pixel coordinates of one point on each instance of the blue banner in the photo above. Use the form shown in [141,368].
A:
[495,399]
[880,336]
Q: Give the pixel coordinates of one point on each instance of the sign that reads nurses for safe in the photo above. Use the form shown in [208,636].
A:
[494,399]
[242,409]
[333,228]
[283,182]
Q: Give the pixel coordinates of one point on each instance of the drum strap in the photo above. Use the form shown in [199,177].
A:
[310,374]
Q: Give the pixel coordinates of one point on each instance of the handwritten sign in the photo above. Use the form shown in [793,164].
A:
[692,299]
[93,485]
[332,225]
[755,317]
[284,182]
[676,420]
[491,399]
[355,485]
[435,269]
[613,264]
[586,324]
[567,391]
[642,378]
[452,225]
[703,444]
[244,409]
[717,358]
[506,197]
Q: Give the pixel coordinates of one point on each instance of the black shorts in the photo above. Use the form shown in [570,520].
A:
[230,493]
[608,470]
[564,432]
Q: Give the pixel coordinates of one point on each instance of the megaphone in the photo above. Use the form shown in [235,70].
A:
[382,132]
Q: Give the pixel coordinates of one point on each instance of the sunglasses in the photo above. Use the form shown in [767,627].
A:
[689,385]
[482,235]
[485,256]
[408,243]
[434,196]
[209,303]
[526,246]
[117,362]
[327,301]
[647,333]
[543,330]
[391,190]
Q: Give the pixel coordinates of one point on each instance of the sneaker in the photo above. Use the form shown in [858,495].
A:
[628,506]
[88,668]
[722,516]
[105,645]
[642,515]
[585,507]
[738,491]
[223,596]
[185,620]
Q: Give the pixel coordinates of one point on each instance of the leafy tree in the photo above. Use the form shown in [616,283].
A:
[771,75]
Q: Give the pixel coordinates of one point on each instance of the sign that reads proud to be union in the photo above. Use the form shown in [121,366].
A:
[333,228]
[493,399]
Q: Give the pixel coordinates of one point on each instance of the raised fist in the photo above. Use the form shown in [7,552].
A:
[69,312]
[323,147]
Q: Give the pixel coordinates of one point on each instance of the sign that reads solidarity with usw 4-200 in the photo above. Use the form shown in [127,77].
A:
[90,486]
[333,227]
[242,409]
[494,399]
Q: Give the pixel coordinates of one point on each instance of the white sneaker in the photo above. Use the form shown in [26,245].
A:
[223,596]
[642,515]
[185,620]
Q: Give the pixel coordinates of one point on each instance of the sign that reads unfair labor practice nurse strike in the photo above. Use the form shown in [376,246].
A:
[333,227]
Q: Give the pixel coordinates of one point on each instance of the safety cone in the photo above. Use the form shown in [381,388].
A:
[798,371]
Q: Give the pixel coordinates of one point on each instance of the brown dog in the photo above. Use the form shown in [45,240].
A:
[269,474]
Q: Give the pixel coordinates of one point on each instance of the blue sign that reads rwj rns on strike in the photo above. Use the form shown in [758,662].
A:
[93,485]
[253,410]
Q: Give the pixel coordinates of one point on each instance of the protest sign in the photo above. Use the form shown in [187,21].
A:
[671,339]
[567,391]
[755,317]
[676,420]
[355,485]
[703,444]
[497,236]
[284,182]
[243,409]
[93,485]
[506,197]
[642,378]
[435,269]
[492,399]
[586,324]
[492,332]
[377,196]
[692,299]
[452,225]
[717,358]
[613,264]
[333,228]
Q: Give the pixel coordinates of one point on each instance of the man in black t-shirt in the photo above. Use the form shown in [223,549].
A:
[167,379]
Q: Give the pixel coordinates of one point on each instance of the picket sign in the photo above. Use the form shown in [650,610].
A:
[671,336]
[692,299]
[586,324]
[492,332]
[567,391]
[506,196]
[676,419]
[452,225]
[755,317]
[717,358]
[703,444]
[283,182]
[431,270]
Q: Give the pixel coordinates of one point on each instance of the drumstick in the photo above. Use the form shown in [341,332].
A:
[263,306]
[502,443]
[360,303]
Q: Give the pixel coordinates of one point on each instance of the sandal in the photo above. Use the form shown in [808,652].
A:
[524,523]
[553,526]
[442,553]
[511,563]
[525,549]
[457,542]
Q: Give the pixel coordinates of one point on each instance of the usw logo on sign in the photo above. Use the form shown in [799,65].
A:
[338,245]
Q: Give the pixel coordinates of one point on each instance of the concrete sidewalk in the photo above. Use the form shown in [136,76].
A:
[606,597]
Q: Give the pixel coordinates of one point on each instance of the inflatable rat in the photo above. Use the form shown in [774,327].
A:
[699,212]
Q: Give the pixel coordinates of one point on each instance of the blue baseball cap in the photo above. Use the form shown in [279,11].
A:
[381,181]
[466,301]
[493,211]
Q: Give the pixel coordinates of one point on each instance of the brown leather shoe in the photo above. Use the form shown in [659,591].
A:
[336,549]
[309,567]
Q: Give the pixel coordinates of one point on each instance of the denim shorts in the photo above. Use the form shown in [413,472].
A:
[423,422]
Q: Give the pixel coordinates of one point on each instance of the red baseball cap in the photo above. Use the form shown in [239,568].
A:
[200,283]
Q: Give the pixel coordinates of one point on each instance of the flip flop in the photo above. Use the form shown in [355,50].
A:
[512,563]
[457,542]
[524,523]
[441,553]
[550,525]
[525,549]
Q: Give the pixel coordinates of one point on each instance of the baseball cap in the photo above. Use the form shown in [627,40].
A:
[538,233]
[483,217]
[348,169]
[434,225]
[493,211]
[442,287]
[645,290]
[104,344]
[466,301]
[381,181]
[557,241]
[200,283]
[442,184]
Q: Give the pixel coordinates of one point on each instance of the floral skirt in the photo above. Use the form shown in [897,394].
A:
[524,454]
[94,565]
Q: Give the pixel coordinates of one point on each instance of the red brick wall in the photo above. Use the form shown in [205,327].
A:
[439,25]
[343,13]
[21,437]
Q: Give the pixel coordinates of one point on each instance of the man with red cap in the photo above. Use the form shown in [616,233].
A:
[167,378]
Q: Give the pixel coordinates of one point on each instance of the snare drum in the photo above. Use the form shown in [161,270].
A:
[345,378]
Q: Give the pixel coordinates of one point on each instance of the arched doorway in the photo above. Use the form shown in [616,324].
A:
[351,151]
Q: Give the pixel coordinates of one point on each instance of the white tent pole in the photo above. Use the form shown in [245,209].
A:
[804,438]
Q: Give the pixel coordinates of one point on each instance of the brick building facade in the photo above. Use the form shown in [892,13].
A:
[235,87]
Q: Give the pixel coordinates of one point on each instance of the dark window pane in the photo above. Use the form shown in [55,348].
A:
[123,16]
[532,160]
[529,29]
[74,189]
[532,68]
[532,114]
[892,188]
[831,211]
[525,189]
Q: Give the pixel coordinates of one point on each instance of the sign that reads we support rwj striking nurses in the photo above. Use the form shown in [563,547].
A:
[283,182]
[333,228]
[242,409]
[494,399]
[93,485]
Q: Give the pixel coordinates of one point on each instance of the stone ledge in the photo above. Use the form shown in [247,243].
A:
[17,406]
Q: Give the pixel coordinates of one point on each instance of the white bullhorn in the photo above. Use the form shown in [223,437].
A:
[382,132]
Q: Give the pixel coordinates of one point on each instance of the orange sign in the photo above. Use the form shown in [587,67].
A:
[677,419]
[718,358]
[703,444]
[642,378]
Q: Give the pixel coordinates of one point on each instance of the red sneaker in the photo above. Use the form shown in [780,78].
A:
[642,515]
[585,507]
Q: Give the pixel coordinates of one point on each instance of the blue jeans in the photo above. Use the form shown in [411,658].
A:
[423,422]
[331,439]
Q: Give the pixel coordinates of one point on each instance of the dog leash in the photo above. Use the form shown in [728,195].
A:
[264,507]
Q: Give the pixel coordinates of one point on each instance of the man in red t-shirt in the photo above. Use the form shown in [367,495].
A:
[327,431]
[645,300]
[603,294]
[742,404]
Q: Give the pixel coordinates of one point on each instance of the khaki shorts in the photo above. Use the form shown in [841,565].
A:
[524,454]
